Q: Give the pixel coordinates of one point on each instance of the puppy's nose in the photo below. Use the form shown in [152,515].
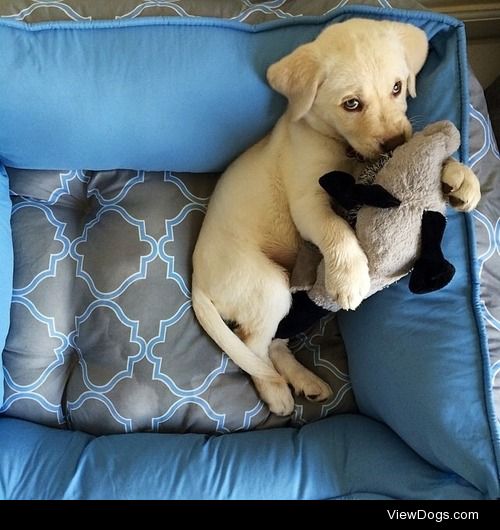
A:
[391,143]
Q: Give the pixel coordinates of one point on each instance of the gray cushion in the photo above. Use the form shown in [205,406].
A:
[485,161]
[103,338]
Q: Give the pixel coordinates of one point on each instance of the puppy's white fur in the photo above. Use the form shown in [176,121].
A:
[270,197]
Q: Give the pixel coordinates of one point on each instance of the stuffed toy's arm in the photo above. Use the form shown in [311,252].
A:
[304,271]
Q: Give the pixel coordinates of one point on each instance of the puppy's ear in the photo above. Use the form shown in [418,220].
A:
[416,46]
[298,76]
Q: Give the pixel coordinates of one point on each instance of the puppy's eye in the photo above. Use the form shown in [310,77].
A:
[396,89]
[352,105]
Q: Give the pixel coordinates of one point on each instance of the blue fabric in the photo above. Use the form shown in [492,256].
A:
[6,266]
[187,95]
[335,457]
[418,367]
[417,364]
[432,348]
[37,462]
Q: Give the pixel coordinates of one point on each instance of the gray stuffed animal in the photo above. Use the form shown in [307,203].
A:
[398,209]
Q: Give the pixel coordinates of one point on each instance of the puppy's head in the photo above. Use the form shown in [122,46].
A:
[352,82]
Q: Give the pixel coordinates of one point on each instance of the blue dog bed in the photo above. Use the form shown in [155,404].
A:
[193,96]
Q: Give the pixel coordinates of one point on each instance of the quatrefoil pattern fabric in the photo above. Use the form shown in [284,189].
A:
[103,338]
[249,11]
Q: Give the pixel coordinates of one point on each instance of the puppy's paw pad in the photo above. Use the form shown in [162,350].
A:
[456,202]
[466,198]
[313,388]
[452,177]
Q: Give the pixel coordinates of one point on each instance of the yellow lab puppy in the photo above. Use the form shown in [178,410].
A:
[347,94]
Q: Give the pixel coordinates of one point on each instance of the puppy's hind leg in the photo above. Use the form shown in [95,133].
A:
[258,324]
[304,382]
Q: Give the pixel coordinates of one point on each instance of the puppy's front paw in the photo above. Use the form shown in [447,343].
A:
[461,186]
[348,282]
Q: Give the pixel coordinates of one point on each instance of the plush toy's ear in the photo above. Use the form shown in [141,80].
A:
[416,47]
[298,77]
[341,187]
[445,130]
[375,195]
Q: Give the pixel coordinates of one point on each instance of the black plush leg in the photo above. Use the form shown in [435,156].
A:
[432,271]
[303,314]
